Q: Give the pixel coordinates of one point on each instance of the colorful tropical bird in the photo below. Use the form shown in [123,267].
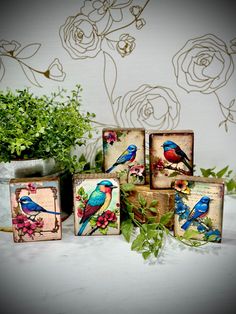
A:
[127,156]
[199,210]
[174,154]
[98,201]
[32,209]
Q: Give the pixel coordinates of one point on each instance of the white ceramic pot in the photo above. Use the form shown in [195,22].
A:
[19,169]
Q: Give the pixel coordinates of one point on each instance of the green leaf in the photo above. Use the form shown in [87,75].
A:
[127,229]
[138,243]
[153,203]
[82,158]
[146,254]
[153,209]
[231,185]
[190,233]
[103,231]
[166,218]
[208,172]
[222,172]
[142,201]
[173,174]
[151,234]
[128,187]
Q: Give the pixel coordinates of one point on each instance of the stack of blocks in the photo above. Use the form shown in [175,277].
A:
[198,202]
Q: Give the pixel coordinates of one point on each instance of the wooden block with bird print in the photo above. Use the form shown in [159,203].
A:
[124,154]
[171,154]
[160,202]
[96,204]
[35,206]
[199,207]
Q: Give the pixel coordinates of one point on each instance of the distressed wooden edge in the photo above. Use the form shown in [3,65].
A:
[200,179]
[35,179]
[160,132]
[95,176]
[123,129]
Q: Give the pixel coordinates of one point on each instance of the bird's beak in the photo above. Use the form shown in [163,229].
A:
[113,187]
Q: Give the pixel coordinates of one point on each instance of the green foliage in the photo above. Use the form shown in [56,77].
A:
[226,173]
[150,237]
[33,127]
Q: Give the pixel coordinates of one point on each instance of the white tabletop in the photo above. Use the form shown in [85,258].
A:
[102,275]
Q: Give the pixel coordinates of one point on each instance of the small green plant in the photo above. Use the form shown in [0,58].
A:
[33,127]
[151,235]
[226,173]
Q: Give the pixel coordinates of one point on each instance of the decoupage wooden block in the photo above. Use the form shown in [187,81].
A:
[96,204]
[35,206]
[199,207]
[171,154]
[164,202]
[124,154]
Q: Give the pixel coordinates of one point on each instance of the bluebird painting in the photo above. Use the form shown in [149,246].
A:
[96,204]
[199,211]
[35,206]
[124,154]
[171,154]
[199,207]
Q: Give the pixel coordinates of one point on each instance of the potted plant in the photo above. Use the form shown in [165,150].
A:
[39,132]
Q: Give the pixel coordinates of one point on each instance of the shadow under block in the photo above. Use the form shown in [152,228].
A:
[171,154]
[96,204]
[35,207]
[124,154]
[199,207]
[164,198]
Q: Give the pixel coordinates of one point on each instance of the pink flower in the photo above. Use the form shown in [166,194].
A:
[110,137]
[137,170]
[31,188]
[102,222]
[78,198]
[19,221]
[110,216]
[79,212]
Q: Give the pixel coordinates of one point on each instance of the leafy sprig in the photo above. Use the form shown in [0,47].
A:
[226,173]
[151,235]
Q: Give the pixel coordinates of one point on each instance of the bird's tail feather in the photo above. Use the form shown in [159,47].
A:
[50,212]
[111,168]
[187,165]
[84,224]
[186,225]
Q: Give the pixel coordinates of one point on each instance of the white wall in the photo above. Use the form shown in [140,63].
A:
[170,25]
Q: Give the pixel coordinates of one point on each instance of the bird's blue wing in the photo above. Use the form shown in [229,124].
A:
[35,207]
[125,156]
[97,198]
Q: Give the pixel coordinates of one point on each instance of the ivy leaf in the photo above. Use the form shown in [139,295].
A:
[142,201]
[222,172]
[153,209]
[166,218]
[128,187]
[138,243]
[190,233]
[127,229]
[146,254]
[153,203]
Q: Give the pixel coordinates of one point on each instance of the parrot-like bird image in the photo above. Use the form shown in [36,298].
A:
[127,156]
[199,210]
[174,154]
[32,209]
[98,201]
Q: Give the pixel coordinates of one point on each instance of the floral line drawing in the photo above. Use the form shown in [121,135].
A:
[12,49]
[99,28]
[205,64]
